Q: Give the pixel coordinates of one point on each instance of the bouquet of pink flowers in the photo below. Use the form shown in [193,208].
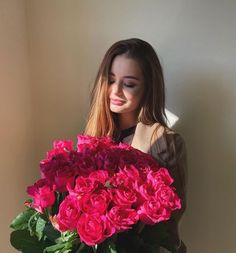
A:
[101,197]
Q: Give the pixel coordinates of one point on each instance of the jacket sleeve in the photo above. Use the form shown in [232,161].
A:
[170,152]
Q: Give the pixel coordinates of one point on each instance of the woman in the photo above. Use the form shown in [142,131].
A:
[128,102]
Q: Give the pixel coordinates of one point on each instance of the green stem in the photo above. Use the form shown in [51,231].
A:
[94,248]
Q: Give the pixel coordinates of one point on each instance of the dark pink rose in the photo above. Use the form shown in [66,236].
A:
[82,186]
[94,228]
[161,176]
[100,176]
[43,195]
[66,145]
[121,179]
[64,176]
[127,177]
[85,142]
[125,146]
[122,218]
[107,159]
[60,147]
[152,212]
[50,167]
[146,160]
[168,198]
[123,196]
[95,202]
[68,215]
[126,158]
[85,163]
[132,172]
[147,191]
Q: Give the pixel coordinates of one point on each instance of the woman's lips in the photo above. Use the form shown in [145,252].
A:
[116,102]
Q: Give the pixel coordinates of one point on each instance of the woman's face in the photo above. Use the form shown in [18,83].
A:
[126,86]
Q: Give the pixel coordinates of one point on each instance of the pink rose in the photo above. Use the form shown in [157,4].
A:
[84,163]
[146,160]
[107,160]
[161,176]
[100,176]
[125,146]
[82,186]
[94,229]
[68,215]
[128,177]
[85,142]
[66,145]
[126,158]
[152,212]
[123,196]
[156,182]
[95,202]
[168,198]
[50,168]
[42,193]
[147,191]
[121,179]
[60,147]
[122,218]
[64,176]
[132,172]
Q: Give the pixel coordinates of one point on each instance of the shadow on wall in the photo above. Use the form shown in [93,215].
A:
[207,128]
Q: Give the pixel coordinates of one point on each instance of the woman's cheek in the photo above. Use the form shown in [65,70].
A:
[136,96]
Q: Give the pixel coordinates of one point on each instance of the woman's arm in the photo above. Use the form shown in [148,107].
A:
[170,151]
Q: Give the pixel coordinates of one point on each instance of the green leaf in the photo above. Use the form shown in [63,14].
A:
[55,207]
[59,248]
[40,225]
[68,236]
[21,238]
[64,243]
[23,241]
[32,223]
[21,220]
[51,233]
[54,248]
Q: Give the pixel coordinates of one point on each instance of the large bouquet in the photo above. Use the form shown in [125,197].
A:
[101,197]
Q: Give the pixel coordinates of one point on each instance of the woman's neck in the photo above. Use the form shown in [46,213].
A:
[127,120]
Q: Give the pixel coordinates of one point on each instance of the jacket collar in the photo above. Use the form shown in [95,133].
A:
[142,139]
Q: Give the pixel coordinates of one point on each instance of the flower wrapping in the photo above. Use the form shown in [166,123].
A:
[96,198]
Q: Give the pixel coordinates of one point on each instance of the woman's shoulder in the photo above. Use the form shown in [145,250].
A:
[156,136]
[155,130]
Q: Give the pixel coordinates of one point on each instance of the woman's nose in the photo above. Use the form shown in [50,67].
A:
[116,88]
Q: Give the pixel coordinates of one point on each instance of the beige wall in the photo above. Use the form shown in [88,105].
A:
[15,113]
[66,41]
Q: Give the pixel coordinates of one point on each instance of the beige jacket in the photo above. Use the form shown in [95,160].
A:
[168,148]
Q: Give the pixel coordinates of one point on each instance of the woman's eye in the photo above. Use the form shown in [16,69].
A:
[129,85]
[111,81]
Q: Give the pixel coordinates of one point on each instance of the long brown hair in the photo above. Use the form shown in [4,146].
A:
[103,122]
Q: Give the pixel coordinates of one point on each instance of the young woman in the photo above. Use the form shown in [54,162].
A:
[128,102]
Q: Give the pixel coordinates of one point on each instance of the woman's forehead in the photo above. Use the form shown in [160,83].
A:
[124,66]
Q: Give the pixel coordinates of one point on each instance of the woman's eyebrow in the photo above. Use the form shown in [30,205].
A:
[129,77]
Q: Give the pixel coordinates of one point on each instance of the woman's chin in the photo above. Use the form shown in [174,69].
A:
[116,109]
